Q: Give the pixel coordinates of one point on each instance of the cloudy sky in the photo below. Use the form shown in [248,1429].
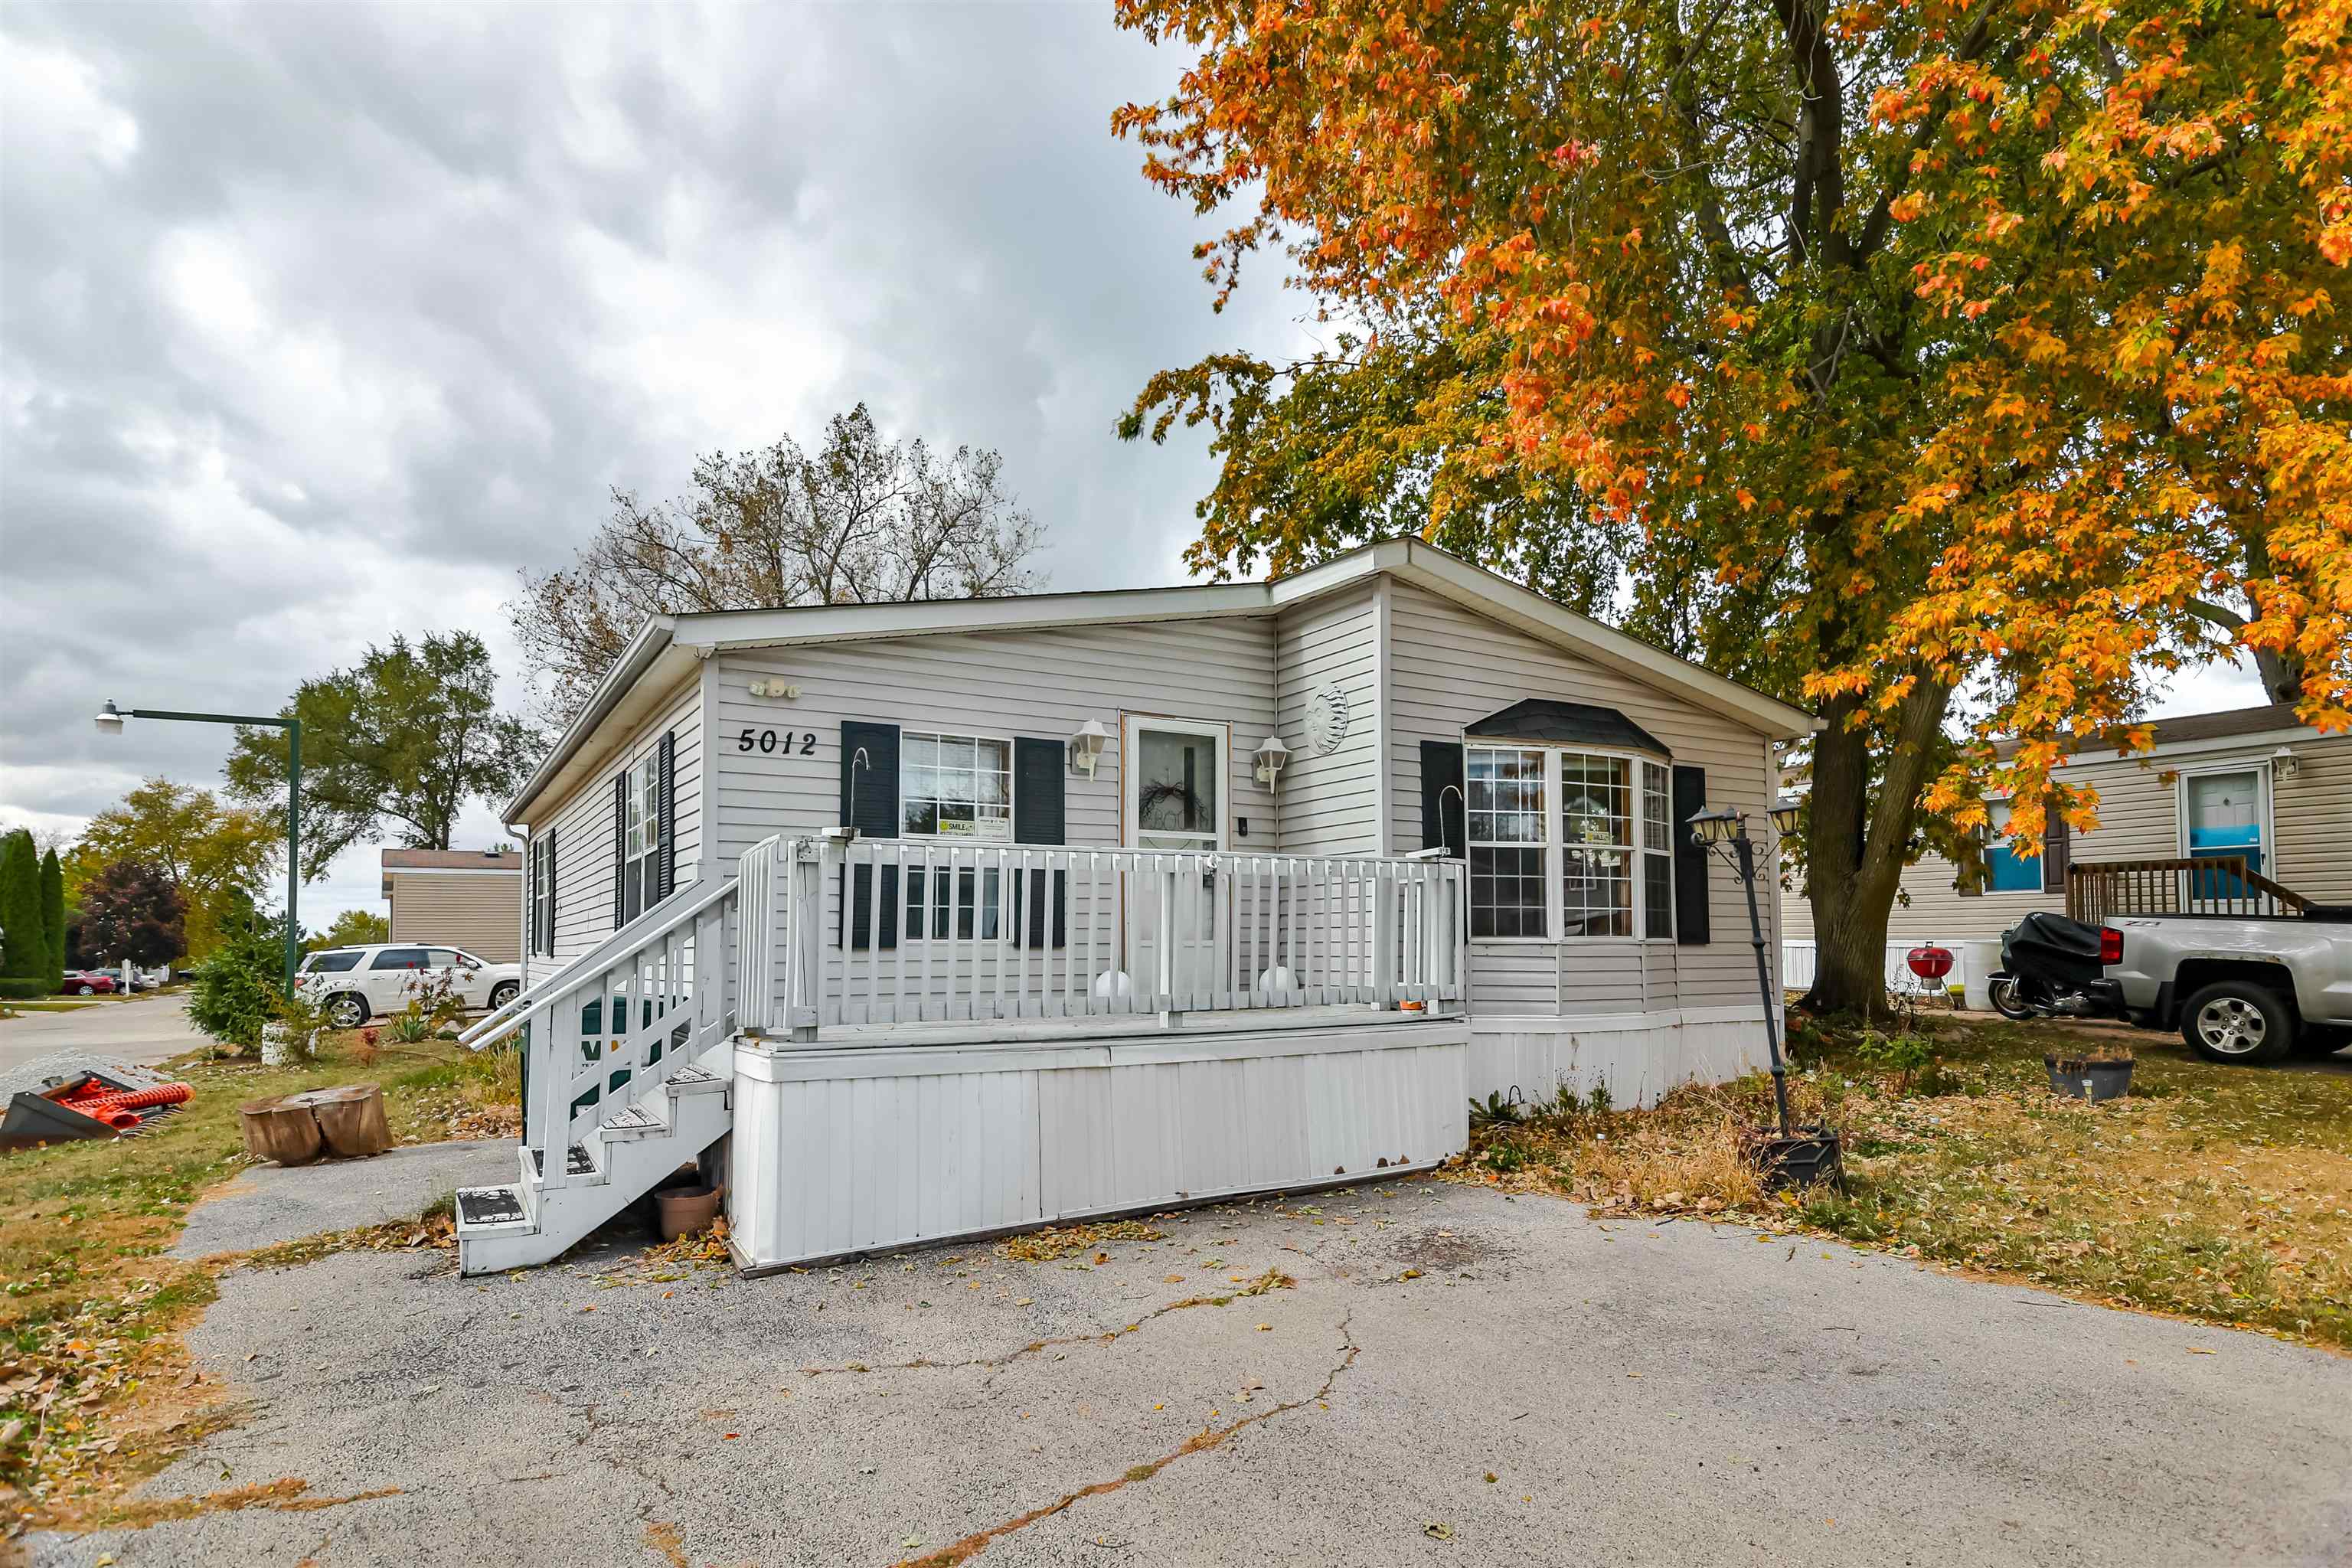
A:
[319,323]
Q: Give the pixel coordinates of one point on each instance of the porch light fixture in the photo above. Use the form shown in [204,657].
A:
[1722,825]
[1270,756]
[1087,746]
[2285,763]
[1784,816]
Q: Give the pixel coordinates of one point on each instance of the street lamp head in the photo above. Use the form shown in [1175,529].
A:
[1784,816]
[110,719]
[1721,825]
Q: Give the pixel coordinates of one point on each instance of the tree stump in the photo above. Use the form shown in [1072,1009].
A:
[351,1119]
[295,1129]
[276,1130]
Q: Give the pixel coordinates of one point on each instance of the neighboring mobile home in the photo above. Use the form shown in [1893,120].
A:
[454,898]
[1075,903]
[2253,782]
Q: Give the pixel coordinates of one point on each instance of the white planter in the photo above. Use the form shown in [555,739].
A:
[279,1046]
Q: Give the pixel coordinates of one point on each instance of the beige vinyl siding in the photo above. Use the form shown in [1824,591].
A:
[1449,667]
[2309,828]
[2313,814]
[585,865]
[1041,683]
[469,909]
[1330,805]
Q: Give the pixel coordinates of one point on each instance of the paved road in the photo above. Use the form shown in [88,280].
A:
[143,1029]
[1548,1389]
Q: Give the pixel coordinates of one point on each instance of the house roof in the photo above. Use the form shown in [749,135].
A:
[2193,729]
[666,648]
[452,860]
[1541,719]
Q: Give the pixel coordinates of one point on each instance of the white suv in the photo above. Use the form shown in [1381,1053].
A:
[358,982]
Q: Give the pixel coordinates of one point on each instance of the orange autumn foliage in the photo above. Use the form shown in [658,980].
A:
[1959,369]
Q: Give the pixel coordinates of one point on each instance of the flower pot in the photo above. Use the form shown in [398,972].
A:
[2087,1077]
[1811,1154]
[685,1211]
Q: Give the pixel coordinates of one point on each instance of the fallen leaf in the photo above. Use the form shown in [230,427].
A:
[1437,1532]
[1492,1478]
[2200,1350]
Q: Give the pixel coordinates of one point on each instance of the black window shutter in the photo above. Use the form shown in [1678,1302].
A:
[2056,851]
[1444,820]
[547,925]
[1037,818]
[535,922]
[1691,927]
[666,863]
[869,802]
[620,848]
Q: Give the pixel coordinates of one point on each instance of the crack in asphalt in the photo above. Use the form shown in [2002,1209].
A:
[1200,1442]
[1272,1280]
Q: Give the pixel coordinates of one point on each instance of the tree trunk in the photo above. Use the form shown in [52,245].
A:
[351,1119]
[275,1130]
[1857,842]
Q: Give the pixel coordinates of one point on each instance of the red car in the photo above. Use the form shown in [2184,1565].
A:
[89,983]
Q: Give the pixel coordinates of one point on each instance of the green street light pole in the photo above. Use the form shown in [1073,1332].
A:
[110,723]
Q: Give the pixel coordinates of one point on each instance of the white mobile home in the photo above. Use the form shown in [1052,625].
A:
[935,919]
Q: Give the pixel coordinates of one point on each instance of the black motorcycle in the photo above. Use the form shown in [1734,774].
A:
[2050,968]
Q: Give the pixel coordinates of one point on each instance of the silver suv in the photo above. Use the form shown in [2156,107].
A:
[356,983]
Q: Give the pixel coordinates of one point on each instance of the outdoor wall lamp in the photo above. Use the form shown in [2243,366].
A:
[1784,816]
[2285,763]
[1721,825]
[1087,746]
[109,719]
[1270,757]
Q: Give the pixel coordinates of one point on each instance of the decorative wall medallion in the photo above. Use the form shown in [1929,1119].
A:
[1327,719]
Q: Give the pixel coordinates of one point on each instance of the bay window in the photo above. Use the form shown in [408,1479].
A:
[1599,865]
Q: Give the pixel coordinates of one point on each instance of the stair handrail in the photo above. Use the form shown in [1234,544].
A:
[680,907]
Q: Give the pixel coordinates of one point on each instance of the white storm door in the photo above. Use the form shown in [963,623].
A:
[1172,790]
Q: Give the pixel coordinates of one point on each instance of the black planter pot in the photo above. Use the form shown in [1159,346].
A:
[2084,1078]
[1811,1154]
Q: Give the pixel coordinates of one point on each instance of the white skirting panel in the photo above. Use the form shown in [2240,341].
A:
[1639,1055]
[844,1150]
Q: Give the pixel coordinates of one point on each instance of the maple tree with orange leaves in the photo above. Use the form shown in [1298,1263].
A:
[1958,368]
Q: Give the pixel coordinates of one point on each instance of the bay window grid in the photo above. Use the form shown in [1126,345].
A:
[1598,865]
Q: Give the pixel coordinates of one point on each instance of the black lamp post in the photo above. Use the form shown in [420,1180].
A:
[1724,832]
[110,723]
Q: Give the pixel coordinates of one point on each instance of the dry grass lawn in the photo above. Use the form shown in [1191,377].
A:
[2222,1193]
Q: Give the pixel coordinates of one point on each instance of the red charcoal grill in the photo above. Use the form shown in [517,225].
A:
[1929,962]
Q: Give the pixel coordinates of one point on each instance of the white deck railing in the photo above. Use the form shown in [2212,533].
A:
[869,931]
[853,933]
[631,1011]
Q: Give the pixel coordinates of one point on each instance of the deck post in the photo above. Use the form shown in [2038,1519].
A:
[804,931]
[1163,981]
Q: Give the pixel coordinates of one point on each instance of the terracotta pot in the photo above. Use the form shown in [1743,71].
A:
[686,1211]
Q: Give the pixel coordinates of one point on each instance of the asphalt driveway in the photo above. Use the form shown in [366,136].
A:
[141,1029]
[1455,1377]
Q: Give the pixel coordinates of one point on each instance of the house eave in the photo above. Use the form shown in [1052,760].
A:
[654,646]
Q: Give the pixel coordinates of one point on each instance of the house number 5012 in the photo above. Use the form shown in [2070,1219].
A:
[768,741]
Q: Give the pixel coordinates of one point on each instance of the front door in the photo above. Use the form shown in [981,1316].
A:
[2224,816]
[1173,797]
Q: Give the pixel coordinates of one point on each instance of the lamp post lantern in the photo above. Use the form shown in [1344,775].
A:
[1813,1153]
[110,719]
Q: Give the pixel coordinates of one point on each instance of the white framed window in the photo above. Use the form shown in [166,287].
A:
[957,789]
[1658,852]
[542,901]
[641,838]
[955,786]
[1508,837]
[1599,865]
